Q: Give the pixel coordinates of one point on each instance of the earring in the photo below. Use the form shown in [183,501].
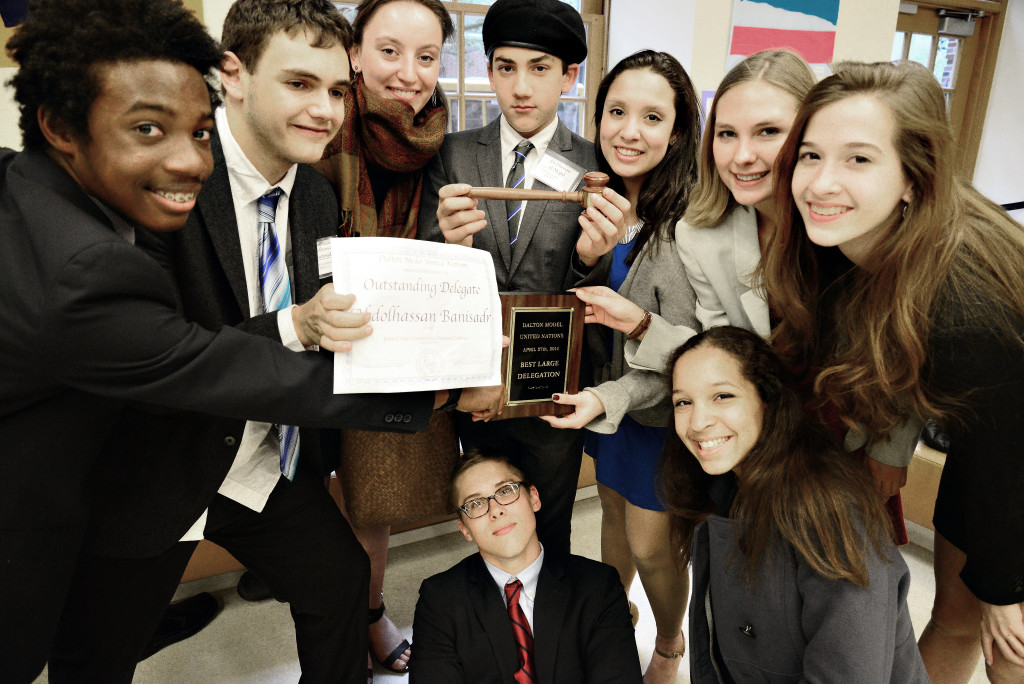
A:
[355,68]
[433,98]
[905,205]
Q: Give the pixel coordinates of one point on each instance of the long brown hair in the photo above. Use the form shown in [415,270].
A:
[797,484]
[785,70]
[866,333]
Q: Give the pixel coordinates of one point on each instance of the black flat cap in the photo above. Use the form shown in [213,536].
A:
[547,25]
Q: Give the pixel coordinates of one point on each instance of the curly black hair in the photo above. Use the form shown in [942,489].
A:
[61,41]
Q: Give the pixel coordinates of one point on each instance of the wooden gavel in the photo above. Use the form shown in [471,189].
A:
[594,182]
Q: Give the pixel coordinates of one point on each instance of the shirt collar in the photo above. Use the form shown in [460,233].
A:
[529,576]
[247,183]
[510,137]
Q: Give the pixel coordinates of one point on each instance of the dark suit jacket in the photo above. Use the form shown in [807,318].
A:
[543,257]
[90,320]
[582,629]
[160,470]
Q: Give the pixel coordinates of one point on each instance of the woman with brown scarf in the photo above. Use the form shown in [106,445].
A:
[396,116]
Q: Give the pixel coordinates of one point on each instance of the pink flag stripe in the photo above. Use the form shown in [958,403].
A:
[814,46]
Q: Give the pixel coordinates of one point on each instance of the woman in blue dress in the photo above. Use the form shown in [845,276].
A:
[648,130]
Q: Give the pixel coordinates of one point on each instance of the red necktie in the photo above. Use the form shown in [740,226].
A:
[521,629]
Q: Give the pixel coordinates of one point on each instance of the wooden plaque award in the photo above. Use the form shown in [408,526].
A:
[546,333]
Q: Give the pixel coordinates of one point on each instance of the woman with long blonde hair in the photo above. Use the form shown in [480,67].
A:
[903,287]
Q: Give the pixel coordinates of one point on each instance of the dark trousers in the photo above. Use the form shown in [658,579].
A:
[36,567]
[300,544]
[550,459]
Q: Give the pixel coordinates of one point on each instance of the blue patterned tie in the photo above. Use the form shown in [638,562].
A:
[516,176]
[276,294]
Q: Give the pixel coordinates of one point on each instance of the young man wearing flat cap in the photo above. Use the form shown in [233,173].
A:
[534,49]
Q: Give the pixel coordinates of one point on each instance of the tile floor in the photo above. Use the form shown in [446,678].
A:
[254,643]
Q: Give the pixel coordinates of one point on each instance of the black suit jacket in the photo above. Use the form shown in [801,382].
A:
[582,629]
[160,470]
[90,320]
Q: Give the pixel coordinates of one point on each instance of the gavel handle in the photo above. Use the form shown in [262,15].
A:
[519,194]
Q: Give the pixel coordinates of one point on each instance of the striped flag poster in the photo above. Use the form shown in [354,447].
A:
[805,26]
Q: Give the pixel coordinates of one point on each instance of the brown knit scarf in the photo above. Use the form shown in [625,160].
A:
[384,135]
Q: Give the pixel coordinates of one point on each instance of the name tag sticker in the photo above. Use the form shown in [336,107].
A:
[323,257]
[557,172]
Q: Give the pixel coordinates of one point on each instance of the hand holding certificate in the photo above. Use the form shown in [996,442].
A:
[435,313]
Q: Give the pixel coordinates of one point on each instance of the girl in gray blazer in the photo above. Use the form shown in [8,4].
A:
[794,575]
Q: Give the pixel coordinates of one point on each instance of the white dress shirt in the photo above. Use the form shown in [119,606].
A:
[257,465]
[510,138]
[528,577]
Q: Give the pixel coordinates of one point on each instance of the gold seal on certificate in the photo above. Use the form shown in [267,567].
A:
[546,333]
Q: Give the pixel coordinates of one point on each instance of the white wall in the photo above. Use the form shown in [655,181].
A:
[696,32]
[998,173]
[664,25]
[10,134]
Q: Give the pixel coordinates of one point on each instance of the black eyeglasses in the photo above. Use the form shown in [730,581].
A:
[504,495]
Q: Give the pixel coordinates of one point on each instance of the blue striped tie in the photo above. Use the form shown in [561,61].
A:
[276,294]
[516,176]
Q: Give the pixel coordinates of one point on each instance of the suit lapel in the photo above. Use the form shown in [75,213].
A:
[748,255]
[217,217]
[489,169]
[534,214]
[491,612]
[548,617]
[305,227]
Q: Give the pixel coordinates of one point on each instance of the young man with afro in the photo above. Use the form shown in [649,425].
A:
[117,122]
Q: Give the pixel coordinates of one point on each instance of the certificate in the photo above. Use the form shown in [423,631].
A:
[435,313]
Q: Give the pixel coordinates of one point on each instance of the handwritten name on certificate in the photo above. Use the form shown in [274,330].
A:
[435,312]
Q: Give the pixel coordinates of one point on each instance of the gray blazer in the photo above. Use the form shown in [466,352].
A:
[543,258]
[657,282]
[796,625]
[720,263]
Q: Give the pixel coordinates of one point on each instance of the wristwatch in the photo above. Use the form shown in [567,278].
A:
[453,399]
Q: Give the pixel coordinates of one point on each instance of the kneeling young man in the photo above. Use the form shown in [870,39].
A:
[515,611]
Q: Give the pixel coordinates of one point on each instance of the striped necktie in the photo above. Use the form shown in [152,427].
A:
[276,294]
[516,176]
[526,674]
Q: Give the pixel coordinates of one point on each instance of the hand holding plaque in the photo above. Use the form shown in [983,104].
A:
[543,358]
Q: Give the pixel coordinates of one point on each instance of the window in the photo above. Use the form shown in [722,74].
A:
[464,68]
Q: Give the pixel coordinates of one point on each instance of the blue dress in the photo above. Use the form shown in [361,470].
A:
[628,460]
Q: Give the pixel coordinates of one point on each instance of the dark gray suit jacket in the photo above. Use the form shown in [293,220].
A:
[543,257]
[792,624]
[582,629]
